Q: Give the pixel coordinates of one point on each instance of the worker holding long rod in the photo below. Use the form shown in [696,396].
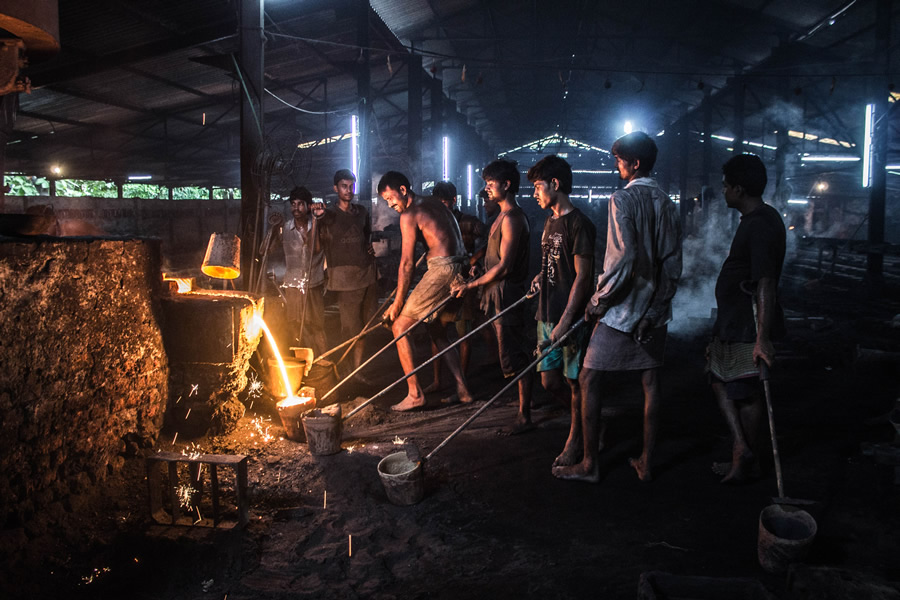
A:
[505,280]
[430,219]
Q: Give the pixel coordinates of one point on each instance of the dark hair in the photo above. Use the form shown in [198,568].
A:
[552,167]
[344,174]
[393,180]
[300,193]
[747,171]
[636,145]
[444,190]
[503,170]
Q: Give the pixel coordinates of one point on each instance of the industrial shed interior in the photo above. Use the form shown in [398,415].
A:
[145,446]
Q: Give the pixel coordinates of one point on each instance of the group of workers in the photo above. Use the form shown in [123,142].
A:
[589,327]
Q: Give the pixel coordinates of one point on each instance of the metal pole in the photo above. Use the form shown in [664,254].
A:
[442,304]
[441,353]
[512,382]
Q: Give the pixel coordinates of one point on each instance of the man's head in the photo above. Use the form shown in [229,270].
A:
[501,179]
[635,155]
[551,177]
[743,176]
[445,192]
[300,199]
[491,208]
[345,185]
[393,187]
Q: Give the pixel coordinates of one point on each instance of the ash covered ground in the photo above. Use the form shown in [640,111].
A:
[494,522]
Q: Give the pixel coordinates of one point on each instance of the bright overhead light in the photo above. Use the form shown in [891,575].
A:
[628,127]
[56,169]
[798,201]
[445,163]
[867,146]
[354,144]
[139,177]
[828,158]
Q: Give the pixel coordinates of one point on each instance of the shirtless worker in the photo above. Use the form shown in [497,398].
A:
[505,280]
[473,233]
[447,260]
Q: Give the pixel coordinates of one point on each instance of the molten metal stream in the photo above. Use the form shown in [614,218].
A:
[281,368]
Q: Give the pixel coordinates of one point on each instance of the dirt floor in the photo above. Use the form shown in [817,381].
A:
[494,522]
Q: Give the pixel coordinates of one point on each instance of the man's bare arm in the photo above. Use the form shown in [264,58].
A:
[511,234]
[407,265]
[765,308]
[578,295]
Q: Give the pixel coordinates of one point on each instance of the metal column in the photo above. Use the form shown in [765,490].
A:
[250,74]
[437,125]
[878,191]
[363,90]
[738,144]
[414,116]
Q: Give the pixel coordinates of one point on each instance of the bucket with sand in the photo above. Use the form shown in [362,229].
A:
[784,537]
[323,427]
[403,479]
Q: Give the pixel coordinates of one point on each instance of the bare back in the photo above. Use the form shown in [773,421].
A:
[437,226]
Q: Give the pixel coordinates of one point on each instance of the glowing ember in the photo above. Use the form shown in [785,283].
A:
[294,400]
[86,579]
[185,284]
[185,494]
[193,453]
[262,429]
[254,386]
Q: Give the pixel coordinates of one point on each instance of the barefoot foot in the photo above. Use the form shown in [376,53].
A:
[578,472]
[743,468]
[570,455]
[464,396]
[409,403]
[435,386]
[521,425]
[642,468]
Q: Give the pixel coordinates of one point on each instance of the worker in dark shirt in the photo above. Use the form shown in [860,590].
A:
[749,316]
[346,232]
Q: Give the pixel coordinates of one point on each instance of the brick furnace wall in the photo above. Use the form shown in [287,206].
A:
[82,364]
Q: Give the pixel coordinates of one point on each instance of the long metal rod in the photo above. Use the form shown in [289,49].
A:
[440,354]
[764,375]
[442,304]
[379,311]
[512,382]
[362,333]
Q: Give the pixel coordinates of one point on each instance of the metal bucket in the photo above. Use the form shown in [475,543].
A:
[784,537]
[323,427]
[291,411]
[403,480]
